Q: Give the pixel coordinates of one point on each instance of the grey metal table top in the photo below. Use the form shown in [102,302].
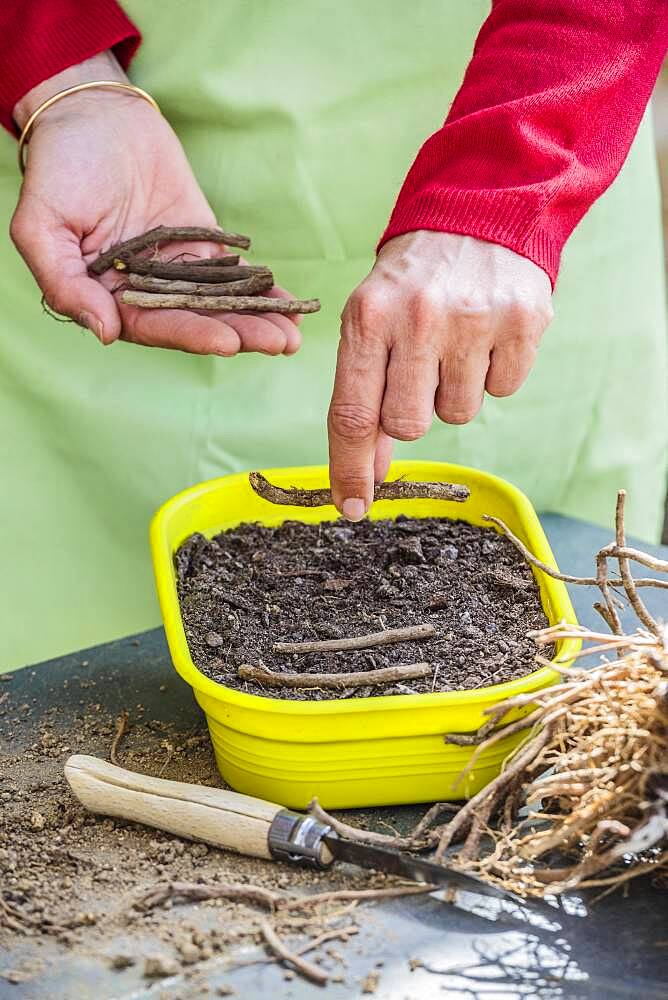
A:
[619,949]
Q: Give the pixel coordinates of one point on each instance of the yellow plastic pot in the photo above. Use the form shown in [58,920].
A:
[357,751]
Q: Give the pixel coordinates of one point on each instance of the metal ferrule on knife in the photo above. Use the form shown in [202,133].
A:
[297,837]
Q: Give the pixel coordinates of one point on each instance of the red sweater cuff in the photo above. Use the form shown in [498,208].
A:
[495,216]
[40,38]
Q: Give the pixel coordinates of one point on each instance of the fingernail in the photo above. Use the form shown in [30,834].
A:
[353,509]
[93,324]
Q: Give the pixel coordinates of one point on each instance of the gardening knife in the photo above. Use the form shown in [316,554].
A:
[243,824]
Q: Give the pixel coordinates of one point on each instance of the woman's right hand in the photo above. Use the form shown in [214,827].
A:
[102,166]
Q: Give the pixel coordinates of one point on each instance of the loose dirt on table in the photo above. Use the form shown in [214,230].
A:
[76,885]
[253,587]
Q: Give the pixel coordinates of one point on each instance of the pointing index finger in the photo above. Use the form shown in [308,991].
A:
[354,416]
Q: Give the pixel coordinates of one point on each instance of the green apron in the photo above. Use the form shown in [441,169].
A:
[300,120]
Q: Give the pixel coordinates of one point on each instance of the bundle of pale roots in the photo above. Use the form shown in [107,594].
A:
[583,800]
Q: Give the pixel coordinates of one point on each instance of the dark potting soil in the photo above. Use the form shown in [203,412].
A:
[254,586]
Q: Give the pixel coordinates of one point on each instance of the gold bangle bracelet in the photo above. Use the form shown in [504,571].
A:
[103,84]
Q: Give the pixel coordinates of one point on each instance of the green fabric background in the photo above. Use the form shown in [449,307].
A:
[300,120]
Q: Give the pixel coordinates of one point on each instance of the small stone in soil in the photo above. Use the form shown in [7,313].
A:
[370,982]
[159,966]
[122,961]
[37,821]
[16,976]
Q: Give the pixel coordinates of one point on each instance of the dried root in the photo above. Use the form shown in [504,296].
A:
[198,892]
[220,303]
[593,766]
[409,633]
[413,841]
[604,737]
[122,725]
[302,965]
[265,899]
[616,550]
[222,283]
[164,234]
[218,270]
[396,489]
[358,678]
[253,285]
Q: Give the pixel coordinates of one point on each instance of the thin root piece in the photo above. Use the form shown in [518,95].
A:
[471,739]
[52,314]
[199,892]
[526,753]
[411,633]
[164,234]
[335,934]
[302,965]
[220,303]
[362,678]
[362,895]
[587,581]
[364,836]
[177,271]
[121,730]
[625,571]
[430,817]
[398,489]
[651,562]
[254,285]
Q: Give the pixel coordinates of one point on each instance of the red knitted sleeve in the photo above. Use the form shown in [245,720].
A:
[547,111]
[39,38]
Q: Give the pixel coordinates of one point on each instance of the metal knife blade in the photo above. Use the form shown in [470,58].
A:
[417,869]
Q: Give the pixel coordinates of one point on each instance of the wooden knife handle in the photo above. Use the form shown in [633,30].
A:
[225,819]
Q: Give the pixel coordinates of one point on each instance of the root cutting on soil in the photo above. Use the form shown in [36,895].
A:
[360,678]
[409,633]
